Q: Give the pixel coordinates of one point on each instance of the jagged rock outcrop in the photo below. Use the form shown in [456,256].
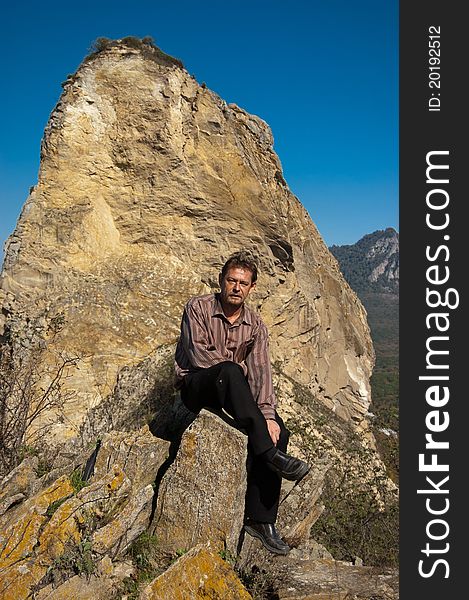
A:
[61,526]
[61,536]
[148,181]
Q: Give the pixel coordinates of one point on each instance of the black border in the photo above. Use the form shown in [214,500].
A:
[422,131]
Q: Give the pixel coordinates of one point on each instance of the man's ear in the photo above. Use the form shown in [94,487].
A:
[220,279]
[253,286]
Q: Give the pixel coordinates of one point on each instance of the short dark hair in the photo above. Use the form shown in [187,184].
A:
[243,260]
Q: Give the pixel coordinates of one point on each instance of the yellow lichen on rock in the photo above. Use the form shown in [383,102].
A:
[199,575]
[18,571]
[31,544]
[62,529]
[16,581]
[19,538]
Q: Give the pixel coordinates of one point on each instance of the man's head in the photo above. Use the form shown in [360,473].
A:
[237,278]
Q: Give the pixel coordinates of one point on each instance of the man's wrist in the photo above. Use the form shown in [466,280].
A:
[268,412]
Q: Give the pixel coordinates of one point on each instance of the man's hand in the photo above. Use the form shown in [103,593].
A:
[274,430]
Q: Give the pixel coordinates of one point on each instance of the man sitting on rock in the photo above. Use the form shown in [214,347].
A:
[222,362]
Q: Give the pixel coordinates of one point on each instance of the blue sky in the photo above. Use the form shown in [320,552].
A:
[322,73]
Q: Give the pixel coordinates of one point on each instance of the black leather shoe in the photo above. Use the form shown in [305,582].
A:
[287,466]
[267,534]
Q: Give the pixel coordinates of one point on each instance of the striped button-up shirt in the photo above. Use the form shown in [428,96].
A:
[208,338]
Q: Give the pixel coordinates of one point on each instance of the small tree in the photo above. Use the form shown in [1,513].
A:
[100,44]
[27,391]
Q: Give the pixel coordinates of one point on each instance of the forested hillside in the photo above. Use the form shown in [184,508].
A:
[371,267]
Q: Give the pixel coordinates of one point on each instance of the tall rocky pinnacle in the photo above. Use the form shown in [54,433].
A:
[148,181]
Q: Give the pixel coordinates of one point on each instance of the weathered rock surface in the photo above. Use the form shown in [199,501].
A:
[321,578]
[16,485]
[61,526]
[97,586]
[139,454]
[147,183]
[333,580]
[201,497]
[19,537]
[198,575]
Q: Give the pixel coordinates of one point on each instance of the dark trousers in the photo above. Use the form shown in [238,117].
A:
[225,386]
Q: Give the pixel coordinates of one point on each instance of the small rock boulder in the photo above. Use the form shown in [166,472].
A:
[198,575]
[201,496]
[16,486]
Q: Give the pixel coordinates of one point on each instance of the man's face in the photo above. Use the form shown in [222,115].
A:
[235,286]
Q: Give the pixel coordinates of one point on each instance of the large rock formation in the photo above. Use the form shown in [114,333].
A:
[148,181]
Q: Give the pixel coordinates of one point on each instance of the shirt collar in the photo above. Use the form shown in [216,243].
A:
[244,317]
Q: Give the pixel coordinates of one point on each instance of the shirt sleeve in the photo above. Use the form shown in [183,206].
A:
[195,339]
[260,373]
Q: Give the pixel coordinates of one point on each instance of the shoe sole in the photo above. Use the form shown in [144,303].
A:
[297,475]
[301,472]
[257,535]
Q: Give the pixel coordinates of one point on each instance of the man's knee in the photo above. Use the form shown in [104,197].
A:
[230,369]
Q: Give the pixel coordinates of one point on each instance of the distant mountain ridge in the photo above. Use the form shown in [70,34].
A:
[372,264]
[371,267]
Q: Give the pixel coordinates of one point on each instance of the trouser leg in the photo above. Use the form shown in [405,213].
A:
[224,385]
[263,485]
